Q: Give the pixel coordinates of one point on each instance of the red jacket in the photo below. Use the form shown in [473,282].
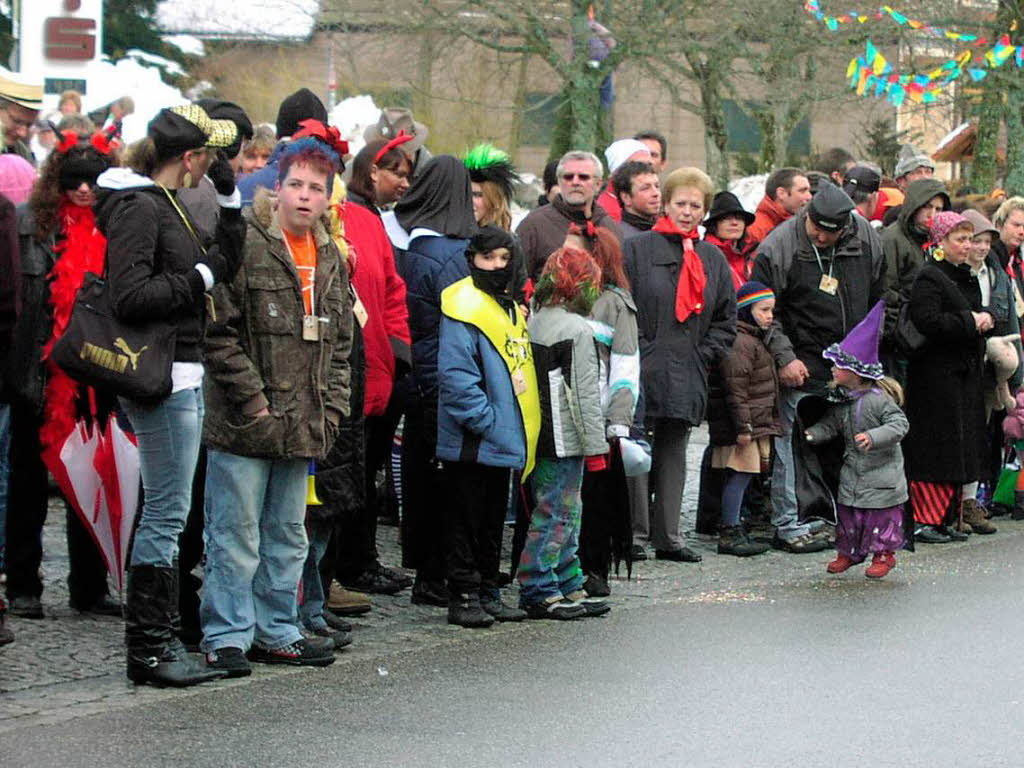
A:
[382,292]
[610,202]
[768,216]
[741,262]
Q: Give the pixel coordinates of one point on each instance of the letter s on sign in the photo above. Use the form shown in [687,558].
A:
[69,39]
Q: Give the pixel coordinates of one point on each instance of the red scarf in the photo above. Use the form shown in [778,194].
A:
[80,248]
[690,289]
[740,263]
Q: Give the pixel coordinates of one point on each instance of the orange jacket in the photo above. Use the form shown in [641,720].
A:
[768,216]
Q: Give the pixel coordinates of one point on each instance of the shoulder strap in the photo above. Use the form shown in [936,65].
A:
[184,218]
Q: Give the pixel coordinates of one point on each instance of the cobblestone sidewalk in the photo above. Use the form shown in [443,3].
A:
[68,665]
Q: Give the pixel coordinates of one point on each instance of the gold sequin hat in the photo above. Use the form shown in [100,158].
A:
[188,127]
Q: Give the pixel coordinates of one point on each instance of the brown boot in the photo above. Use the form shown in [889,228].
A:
[974,516]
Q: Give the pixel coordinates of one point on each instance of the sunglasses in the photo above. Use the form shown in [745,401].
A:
[580,176]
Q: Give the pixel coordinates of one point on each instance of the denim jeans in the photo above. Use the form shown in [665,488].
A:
[311,610]
[784,508]
[549,566]
[255,548]
[5,447]
[168,434]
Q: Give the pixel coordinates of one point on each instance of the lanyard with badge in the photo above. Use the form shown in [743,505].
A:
[828,284]
[310,322]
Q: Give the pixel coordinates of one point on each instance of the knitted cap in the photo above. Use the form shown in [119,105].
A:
[944,222]
[750,293]
[911,158]
[299,106]
[620,151]
[858,352]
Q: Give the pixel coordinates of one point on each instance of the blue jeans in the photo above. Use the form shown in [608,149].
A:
[784,508]
[311,612]
[255,547]
[5,447]
[168,434]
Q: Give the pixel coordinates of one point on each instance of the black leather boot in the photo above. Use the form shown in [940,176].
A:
[1018,505]
[155,654]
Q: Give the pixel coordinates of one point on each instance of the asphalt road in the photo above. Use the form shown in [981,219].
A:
[923,669]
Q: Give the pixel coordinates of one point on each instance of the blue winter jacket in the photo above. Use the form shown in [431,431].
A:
[428,266]
[477,416]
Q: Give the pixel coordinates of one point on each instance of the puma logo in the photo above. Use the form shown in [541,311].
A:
[122,345]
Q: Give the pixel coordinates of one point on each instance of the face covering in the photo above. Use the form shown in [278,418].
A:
[493,282]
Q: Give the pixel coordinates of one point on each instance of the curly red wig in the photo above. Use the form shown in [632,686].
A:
[570,278]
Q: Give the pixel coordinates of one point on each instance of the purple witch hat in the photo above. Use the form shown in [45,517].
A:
[858,352]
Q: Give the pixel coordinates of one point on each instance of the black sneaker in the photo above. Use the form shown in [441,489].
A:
[396,576]
[464,610]
[105,606]
[930,534]
[334,621]
[373,582]
[340,639]
[429,593]
[638,553]
[496,607]
[559,609]
[307,652]
[25,607]
[230,660]
[733,541]
[595,586]
[591,605]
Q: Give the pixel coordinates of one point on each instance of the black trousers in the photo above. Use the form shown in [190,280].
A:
[28,494]
[476,503]
[606,517]
[190,553]
[357,548]
[424,498]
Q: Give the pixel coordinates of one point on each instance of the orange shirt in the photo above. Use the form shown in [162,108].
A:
[303,253]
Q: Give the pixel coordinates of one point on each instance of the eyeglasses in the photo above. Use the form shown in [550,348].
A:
[26,124]
[580,176]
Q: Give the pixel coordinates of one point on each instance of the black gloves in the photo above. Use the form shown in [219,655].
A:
[216,263]
[222,174]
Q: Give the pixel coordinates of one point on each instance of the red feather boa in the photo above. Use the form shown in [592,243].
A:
[80,248]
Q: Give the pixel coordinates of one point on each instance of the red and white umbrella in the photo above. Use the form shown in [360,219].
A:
[98,471]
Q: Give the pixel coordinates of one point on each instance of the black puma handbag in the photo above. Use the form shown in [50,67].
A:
[100,351]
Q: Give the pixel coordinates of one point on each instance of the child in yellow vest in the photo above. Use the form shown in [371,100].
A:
[488,420]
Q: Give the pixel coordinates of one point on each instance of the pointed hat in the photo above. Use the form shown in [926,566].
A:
[858,352]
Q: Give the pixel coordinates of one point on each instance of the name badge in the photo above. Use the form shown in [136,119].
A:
[828,285]
[518,383]
[310,328]
[360,313]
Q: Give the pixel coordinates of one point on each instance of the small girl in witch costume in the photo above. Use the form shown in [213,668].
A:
[872,484]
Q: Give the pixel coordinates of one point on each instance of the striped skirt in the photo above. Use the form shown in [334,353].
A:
[934,503]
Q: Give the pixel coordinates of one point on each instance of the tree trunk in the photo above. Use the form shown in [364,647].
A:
[577,120]
[766,122]
[515,140]
[716,139]
[422,96]
[1014,183]
[988,115]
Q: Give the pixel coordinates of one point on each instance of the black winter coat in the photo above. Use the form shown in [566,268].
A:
[151,259]
[812,319]
[341,475]
[675,357]
[945,400]
[26,377]
[744,390]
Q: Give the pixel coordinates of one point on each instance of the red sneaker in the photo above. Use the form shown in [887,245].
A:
[840,564]
[881,564]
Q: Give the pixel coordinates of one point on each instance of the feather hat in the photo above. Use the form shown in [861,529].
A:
[485,162]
